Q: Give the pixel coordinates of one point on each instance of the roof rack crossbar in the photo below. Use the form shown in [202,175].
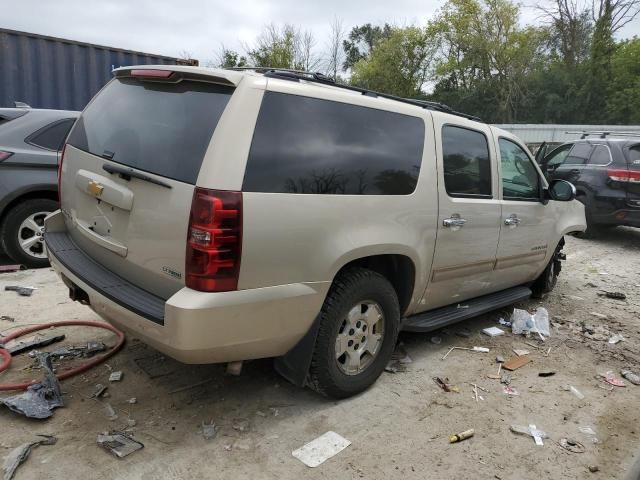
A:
[317,77]
[603,133]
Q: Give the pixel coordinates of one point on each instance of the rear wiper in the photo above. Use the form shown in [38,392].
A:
[129,173]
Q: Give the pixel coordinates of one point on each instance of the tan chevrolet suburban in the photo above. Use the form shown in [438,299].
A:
[223,215]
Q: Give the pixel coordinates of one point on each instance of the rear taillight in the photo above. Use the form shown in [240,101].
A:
[60,159]
[4,155]
[627,176]
[214,241]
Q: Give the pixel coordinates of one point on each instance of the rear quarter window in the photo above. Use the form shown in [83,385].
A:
[52,136]
[159,128]
[312,146]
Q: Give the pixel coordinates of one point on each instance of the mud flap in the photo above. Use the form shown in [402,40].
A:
[294,365]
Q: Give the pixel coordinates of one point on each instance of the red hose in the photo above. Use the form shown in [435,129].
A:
[69,373]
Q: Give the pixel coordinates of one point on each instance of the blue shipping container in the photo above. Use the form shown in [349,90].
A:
[49,72]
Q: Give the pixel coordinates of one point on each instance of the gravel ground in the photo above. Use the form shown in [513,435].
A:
[398,429]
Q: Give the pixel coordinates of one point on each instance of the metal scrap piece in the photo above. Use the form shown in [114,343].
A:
[119,443]
[41,398]
[20,454]
[22,291]
[36,342]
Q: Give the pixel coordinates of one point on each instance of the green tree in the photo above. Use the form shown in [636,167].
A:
[399,64]
[623,99]
[230,59]
[486,57]
[361,41]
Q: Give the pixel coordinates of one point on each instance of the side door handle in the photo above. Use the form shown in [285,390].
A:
[512,220]
[574,171]
[454,222]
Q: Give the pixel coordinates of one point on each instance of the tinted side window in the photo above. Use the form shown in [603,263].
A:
[52,136]
[600,156]
[467,168]
[634,154]
[519,177]
[558,156]
[579,154]
[308,145]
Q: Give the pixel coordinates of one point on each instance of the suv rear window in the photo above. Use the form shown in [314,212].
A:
[309,145]
[156,127]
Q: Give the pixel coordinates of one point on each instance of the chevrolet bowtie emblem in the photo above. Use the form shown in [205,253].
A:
[94,188]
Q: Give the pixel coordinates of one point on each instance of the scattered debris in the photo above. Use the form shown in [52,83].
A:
[436,340]
[241,424]
[493,331]
[598,315]
[321,449]
[111,413]
[81,351]
[532,431]
[571,445]
[99,391]
[132,400]
[20,454]
[611,379]
[499,359]
[474,349]
[576,392]
[505,378]
[522,322]
[119,443]
[594,468]
[41,398]
[22,291]
[260,413]
[458,437]
[7,318]
[632,377]
[521,352]
[516,362]
[502,321]
[131,422]
[510,391]
[547,374]
[444,385]
[36,341]
[401,355]
[116,376]
[616,339]
[587,430]
[614,295]
[209,430]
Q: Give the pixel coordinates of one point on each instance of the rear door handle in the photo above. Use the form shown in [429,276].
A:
[455,221]
[512,220]
[574,171]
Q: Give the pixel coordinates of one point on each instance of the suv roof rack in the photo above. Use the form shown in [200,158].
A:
[317,77]
[603,133]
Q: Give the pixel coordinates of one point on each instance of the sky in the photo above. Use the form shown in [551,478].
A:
[201,27]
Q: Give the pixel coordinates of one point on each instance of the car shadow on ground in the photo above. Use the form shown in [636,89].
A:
[624,237]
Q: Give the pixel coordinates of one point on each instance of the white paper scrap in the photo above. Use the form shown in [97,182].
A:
[322,448]
[493,331]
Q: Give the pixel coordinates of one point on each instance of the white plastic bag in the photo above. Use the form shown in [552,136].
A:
[523,322]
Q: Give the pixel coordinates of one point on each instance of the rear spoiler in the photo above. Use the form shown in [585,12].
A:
[177,73]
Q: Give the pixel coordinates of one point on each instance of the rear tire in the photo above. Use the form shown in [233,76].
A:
[21,232]
[359,324]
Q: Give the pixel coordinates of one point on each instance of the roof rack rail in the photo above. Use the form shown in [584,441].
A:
[317,77]
[603,133]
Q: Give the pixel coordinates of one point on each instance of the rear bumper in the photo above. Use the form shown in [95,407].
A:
[196,327]
[622,217]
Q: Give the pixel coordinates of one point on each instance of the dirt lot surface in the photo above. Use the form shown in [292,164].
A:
[398,429]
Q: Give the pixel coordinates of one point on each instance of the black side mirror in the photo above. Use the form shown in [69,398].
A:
[561,191]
